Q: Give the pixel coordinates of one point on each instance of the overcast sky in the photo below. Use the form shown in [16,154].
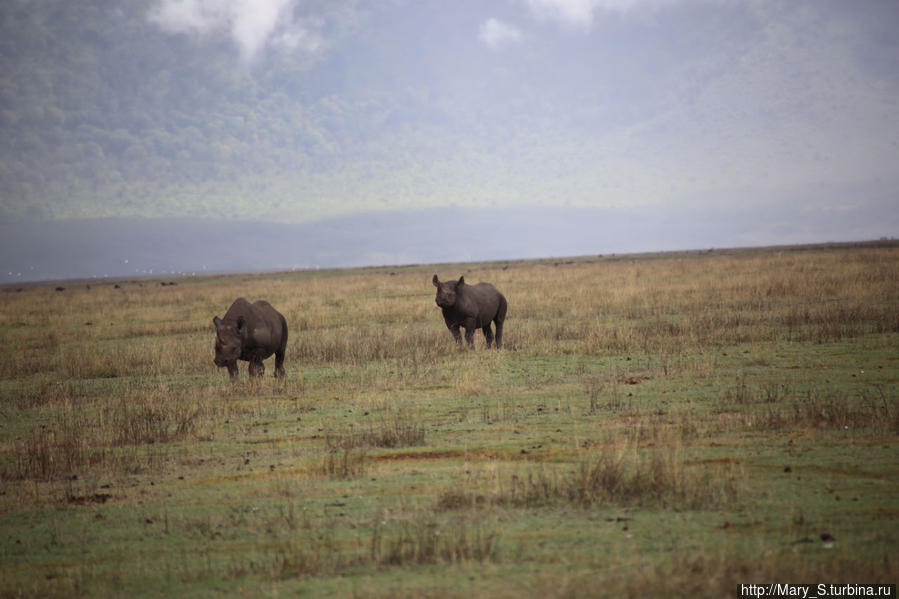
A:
[771,121]
[610,103]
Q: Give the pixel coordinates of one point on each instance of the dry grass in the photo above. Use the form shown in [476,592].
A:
[60,347]
[617,475]
[780,407]
[101,436]
[657,307]
[627,384]
[392,428]
[713,572]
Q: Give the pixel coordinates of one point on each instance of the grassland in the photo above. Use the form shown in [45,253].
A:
[658,425]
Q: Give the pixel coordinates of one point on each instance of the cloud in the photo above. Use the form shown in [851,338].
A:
[573,13]
[495,33]
[298,38]
[580,14]
[252,24]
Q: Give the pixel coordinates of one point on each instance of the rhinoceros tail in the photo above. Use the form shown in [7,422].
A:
[282,348]
[499,319]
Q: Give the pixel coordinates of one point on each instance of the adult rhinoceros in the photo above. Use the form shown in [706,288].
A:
[472,307]
[250,332]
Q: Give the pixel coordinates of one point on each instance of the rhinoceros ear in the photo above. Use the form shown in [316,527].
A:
[461,280]
[436,281]
[217,322]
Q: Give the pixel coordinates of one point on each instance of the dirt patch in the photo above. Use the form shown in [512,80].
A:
[739,526]
[88,499]
[716,461]
[426,455]
[477,454]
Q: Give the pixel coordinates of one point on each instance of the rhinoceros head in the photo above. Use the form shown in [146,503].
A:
[446,292]
[228,341]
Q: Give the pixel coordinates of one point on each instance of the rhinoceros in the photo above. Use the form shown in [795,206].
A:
[472,307]
[250,332]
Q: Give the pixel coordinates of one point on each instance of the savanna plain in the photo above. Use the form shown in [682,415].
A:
[657,425]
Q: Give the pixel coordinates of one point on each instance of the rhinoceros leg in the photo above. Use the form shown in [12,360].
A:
[279,363]
[454,329]
[469,336]
[257,368]
[232,370]
[488,333]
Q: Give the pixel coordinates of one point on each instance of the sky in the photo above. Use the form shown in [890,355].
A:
[721,122]
[634,102]
[606,103]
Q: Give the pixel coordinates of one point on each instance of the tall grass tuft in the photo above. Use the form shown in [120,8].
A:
[343,463]
[656,478]
[392,428]
[423,539]
[783,407]
[99,436]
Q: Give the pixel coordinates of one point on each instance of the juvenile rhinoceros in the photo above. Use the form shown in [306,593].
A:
[250,332]
[472,307]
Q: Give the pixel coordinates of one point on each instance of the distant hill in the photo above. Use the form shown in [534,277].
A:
[54,250]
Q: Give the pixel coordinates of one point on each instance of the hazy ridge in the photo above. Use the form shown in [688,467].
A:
[53,250]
